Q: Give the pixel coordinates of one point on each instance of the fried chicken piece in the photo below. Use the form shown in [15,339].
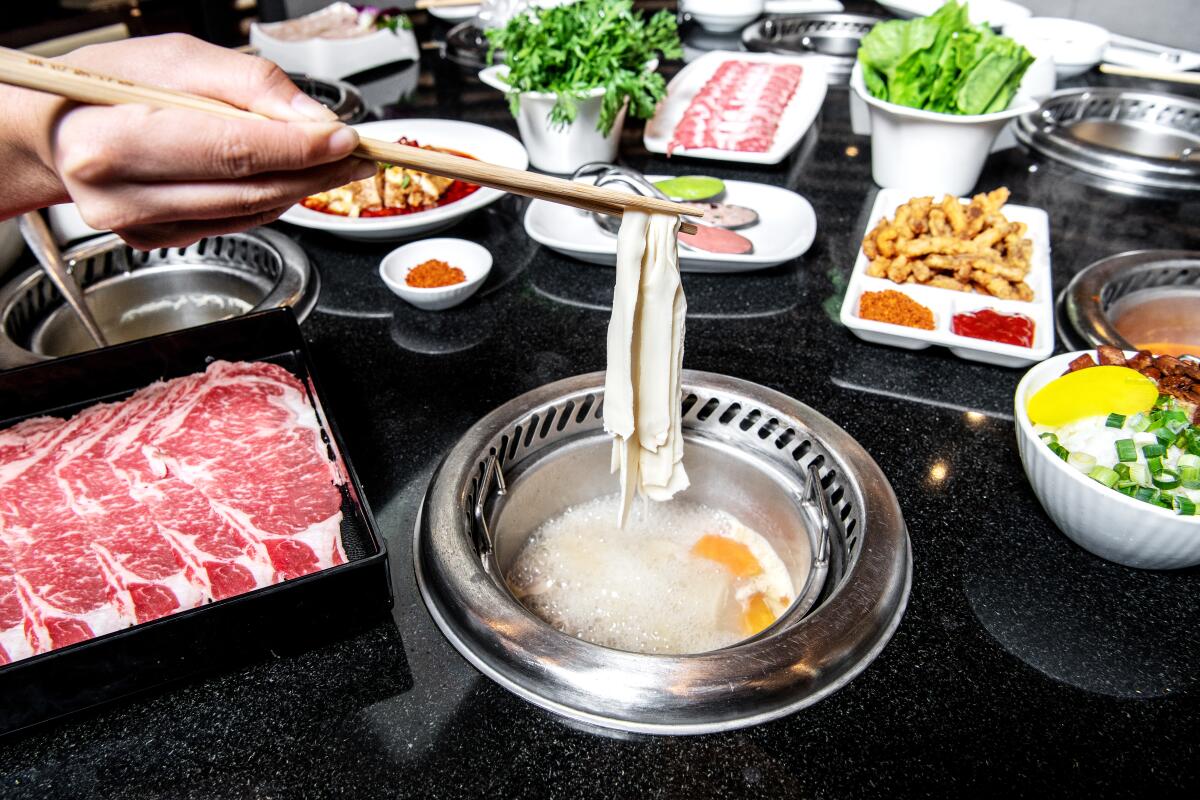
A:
[878,267]
[900,270]
[954,213]
[1023,291]
[946,282]
[994,285]
[1083,362]
[868,245]
[938,226]
[1111,356]
[885,240]
[1151,373]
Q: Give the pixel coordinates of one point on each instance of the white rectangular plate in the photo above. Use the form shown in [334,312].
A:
[945,303]
[785,230]
[801,110]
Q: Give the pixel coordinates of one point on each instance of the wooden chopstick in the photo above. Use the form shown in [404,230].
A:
[1152,75]
[85,86]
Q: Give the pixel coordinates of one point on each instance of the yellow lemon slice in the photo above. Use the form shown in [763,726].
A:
[1091,392]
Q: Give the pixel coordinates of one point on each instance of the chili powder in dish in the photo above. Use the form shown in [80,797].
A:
[895,308]
[994,326]
[434,274]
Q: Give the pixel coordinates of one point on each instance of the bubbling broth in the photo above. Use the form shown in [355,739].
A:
[679,577]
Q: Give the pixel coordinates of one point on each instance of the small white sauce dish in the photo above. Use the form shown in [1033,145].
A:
[723,16]
[475,262]
[1076,46]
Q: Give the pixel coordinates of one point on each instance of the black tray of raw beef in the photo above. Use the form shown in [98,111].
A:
[171,505]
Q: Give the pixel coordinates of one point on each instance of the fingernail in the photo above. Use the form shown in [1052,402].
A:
[310,108]
[343,140]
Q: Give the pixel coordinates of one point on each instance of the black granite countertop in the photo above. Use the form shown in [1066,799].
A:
[1023,665]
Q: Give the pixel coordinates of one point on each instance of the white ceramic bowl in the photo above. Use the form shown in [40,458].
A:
[1076,46]
[925,152]
[555,149]
[1098,519]
[723,16]
[475,261]
[335,58]
[479,141]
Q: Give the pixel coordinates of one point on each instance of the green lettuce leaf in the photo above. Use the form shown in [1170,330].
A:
[942,63]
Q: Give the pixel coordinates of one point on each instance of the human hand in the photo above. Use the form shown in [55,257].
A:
[166,177]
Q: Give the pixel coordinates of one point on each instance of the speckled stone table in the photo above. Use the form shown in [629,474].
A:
[1024,665]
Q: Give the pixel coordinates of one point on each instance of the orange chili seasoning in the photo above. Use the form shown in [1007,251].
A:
[433,273]
[896,308]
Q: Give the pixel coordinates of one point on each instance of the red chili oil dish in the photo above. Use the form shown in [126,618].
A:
[454,192]
[992,325]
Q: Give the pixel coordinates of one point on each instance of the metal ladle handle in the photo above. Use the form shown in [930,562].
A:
[44,248]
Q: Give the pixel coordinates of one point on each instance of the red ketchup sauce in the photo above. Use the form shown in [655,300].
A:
[995,327]
[456,191]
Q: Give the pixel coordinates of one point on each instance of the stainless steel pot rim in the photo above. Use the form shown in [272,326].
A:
[1040,131]
[762,678]
[1096,286]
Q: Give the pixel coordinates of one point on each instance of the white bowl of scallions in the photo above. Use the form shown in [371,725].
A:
[1139,506]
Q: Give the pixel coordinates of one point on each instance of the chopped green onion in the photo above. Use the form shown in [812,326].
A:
[1189,477]
[1145,494]
[1115,421]
[1048,437]
[1167,479]
[1102,474]
[1142,423]
[1184,506]
[1140,474]
[1126,488]
[1165,436]
[1126,450]
[1123,471]
[1084,462]
[1154,464]
[1189,460]
[1154,451]
[1163,399]
[1059,450]
[1164,500]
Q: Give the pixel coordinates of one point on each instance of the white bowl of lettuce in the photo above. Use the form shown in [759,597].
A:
[939,91]
[572,73]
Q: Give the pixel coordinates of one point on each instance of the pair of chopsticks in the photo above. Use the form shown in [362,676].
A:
[1150,74]
[85,86]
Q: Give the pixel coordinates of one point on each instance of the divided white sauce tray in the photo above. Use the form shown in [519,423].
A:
[945,303]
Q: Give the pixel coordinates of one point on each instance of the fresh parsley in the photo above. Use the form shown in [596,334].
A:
[571,49]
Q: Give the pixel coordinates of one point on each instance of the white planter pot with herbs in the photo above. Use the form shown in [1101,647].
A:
[572,73]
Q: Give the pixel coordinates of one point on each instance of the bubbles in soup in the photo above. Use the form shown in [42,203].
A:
[679,578]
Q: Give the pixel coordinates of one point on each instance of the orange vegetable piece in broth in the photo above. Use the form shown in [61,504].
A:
[757,615]
[731,554]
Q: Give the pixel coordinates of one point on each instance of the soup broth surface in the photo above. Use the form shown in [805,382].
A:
[678,578]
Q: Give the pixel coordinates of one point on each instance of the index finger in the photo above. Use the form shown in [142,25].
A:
[140,144]
[186,64]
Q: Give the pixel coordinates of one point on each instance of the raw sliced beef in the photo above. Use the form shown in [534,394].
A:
[189,491]
[739,108]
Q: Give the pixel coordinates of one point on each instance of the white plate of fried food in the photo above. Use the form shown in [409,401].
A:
[931,271]
[398,203]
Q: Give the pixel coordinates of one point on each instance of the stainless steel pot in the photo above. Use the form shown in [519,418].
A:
[771,461]
[134,294]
